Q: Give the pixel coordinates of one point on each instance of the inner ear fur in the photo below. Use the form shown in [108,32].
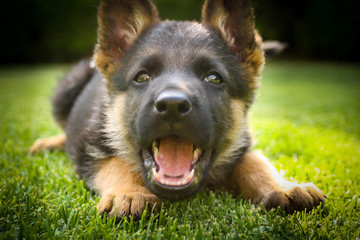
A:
[234,20]
[120,23]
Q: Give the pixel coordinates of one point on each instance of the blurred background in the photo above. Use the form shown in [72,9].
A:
[41,31]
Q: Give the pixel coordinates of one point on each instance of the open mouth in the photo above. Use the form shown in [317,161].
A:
[174,162]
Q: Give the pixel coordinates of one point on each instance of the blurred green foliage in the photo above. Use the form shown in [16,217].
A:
[64,30]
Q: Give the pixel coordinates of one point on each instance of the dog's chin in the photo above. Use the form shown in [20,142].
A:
[174,167]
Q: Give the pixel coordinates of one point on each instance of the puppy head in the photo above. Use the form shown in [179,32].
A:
[179,90]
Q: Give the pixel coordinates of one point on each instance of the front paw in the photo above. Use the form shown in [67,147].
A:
[126,204]
[49,144]
[297,197]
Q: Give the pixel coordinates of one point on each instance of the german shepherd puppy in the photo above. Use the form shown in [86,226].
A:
[165,111]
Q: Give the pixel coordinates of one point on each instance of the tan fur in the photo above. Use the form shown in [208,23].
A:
[218,20]
[49,144]
[116,131]
[235,135]
[122,189]
[247,44]
[141,22]
[105,62]
[252,66]
[256,179]
[119,26]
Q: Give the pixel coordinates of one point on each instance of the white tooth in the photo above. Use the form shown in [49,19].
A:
[156,175]
[155,149]
[191,175]
[197,154]
[184,182]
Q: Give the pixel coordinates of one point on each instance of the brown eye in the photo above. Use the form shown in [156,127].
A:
[213,78]
[142,78]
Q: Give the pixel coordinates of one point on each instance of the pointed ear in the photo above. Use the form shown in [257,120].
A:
[234,20]
[120,23]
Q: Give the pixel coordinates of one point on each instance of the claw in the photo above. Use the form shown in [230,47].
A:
[103,213]
[136,214]
[287,208]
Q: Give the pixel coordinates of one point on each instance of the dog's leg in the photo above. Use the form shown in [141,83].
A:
[122,189]
[49,144]
[256,179]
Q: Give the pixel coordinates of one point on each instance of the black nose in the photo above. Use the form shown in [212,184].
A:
[172,105]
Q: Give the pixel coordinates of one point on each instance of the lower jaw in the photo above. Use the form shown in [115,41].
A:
[174,193]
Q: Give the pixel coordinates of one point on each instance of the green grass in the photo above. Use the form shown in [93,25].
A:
[306,119]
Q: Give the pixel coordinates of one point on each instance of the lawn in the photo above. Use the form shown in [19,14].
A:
[306,120]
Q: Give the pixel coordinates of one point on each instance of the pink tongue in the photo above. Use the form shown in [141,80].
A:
[174,157]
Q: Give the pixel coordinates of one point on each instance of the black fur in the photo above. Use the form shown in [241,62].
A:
[69,89]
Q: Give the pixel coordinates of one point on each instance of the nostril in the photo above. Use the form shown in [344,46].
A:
[160,106]
[184,107]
